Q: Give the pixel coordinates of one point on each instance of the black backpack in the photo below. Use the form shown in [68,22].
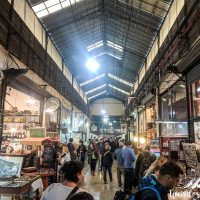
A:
[120,195]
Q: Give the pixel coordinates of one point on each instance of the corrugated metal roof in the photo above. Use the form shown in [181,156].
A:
[130,24]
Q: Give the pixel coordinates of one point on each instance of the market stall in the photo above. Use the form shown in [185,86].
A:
[189,185]
[46,149]
[22,112]
[11,181]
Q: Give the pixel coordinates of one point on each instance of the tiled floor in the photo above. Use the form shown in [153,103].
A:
[95,185]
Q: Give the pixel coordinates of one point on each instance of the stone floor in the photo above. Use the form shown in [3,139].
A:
[95,185]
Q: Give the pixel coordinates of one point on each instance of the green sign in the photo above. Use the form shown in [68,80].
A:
[38,132]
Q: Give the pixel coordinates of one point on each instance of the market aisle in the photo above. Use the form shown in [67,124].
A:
[96,186]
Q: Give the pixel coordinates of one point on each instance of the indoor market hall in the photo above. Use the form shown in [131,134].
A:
[99,99]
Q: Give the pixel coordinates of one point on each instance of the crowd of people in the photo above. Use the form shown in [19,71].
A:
[152,176]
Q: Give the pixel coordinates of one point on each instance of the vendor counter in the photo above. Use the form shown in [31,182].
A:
[44,174]
[19,187]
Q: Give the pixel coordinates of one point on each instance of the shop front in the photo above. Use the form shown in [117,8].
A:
[173,122]
[193,84]
[22,113]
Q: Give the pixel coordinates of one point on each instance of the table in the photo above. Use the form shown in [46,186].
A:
[18,186]
[44,176]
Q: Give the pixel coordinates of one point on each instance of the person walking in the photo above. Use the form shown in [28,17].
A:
[113,146]
[143,162]
[92,158]
[129,158]
[118,155]
[100,150]
[71,148]
[81,151]
[107,161]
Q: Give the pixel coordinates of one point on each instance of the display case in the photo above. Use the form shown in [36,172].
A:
[17,126]
[172,147]
[10,166]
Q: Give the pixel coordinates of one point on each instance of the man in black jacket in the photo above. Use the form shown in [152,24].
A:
[169,175]
[107,161]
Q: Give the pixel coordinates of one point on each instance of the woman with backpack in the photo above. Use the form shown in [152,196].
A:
[107,161]
[92,158]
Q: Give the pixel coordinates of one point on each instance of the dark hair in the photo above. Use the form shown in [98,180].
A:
[71,140]
[82,196]
[170,168]
[128,143]
[147,147]
[71,169]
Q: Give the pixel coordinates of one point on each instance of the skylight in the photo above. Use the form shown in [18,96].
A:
[93,79]
[119,58]
[94,46]
[50,6]
[110,54]
[115,46]
[95,89]
[96,95]
[118,89]
[120,80]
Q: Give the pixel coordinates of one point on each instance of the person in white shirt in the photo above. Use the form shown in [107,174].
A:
[73,174]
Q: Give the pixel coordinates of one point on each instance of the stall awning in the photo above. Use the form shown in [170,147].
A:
[38,141]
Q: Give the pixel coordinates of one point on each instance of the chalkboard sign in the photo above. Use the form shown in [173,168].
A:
[38,132]
[49,155]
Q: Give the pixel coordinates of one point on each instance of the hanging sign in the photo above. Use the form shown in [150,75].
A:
[52,103]
[39,132]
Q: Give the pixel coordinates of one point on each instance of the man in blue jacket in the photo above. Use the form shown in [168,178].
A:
[129,158]
[158,189]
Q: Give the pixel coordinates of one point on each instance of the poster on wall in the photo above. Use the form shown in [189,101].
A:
[190,154]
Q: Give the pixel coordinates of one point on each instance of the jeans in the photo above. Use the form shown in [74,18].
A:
[99,162]
[120,173]
[93,165]
[128,179]
[105,169]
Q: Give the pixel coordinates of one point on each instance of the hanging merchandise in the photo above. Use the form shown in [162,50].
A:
[190,155]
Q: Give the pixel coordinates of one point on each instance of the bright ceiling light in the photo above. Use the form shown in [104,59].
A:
[103,111]
[198,89]
[92,65]
[183,86]
[142,140]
